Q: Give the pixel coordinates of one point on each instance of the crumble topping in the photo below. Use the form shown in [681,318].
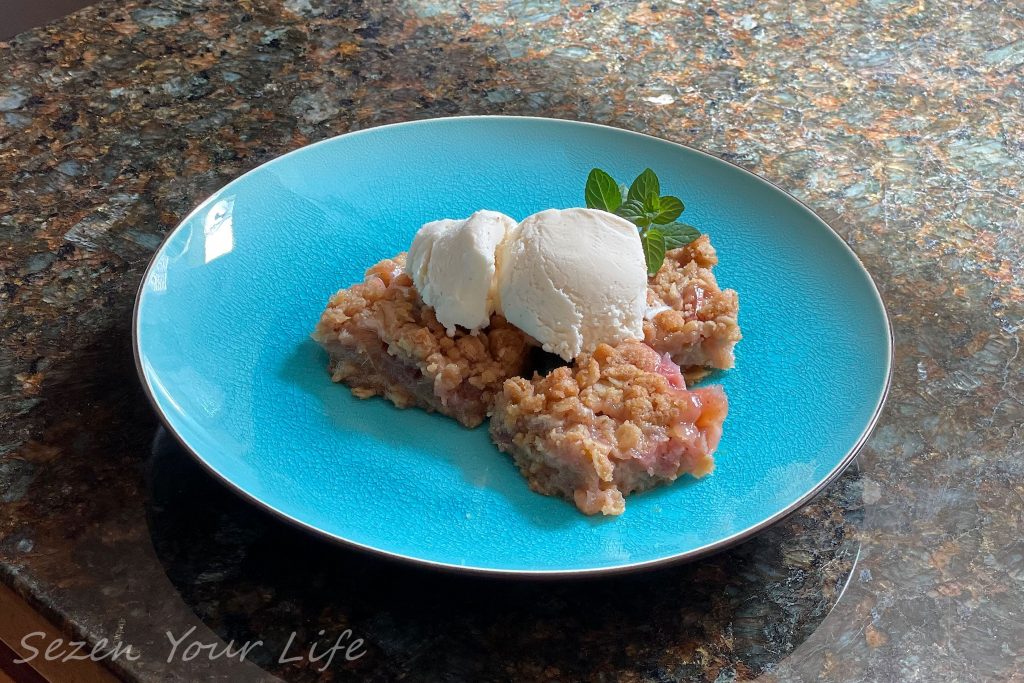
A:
[619,420]
[385,314]
[699,327]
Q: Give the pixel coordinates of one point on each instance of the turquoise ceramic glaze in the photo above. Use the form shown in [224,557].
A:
[226,308]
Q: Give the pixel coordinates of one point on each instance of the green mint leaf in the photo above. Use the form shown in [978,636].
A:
[678,234]
[624,191]
[652,205]
[653,242]
[631,209]
[669,209]
[602,192]
[646,185]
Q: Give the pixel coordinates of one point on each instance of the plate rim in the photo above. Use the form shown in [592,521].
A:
[677,558]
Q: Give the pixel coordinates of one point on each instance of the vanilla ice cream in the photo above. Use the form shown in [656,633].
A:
[573,279]
[452,265]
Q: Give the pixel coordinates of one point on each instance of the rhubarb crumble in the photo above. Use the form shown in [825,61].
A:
[384,341]
[461,324]
[619,420]
[690,317]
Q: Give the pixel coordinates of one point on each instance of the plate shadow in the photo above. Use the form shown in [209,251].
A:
[250,576]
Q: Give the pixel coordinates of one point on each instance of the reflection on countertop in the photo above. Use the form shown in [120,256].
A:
[237,568]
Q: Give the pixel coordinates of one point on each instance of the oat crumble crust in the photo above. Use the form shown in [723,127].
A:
[383,340]
[702,326]
[619,420]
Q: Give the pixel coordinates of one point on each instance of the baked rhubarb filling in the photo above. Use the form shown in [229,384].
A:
[619,420]
[384,341]
[690,317]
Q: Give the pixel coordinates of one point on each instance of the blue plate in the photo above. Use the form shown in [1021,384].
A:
[226,307]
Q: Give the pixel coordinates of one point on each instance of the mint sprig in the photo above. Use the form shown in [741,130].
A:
[602,192]
[678,234]
[653,242]
[645,187]
[643,205]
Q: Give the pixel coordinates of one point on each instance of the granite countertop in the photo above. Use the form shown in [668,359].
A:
[899,122]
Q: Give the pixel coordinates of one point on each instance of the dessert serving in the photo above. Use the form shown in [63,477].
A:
[619,297]
[619,420]
[384,341]
[689,317]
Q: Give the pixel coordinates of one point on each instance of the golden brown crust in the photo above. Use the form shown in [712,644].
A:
[384,340]
[619,420]
[700,327]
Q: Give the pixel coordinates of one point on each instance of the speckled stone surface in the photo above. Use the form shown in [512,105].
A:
[898,122]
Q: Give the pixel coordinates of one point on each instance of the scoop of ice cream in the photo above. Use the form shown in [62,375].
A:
[452,265]
[572,279]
